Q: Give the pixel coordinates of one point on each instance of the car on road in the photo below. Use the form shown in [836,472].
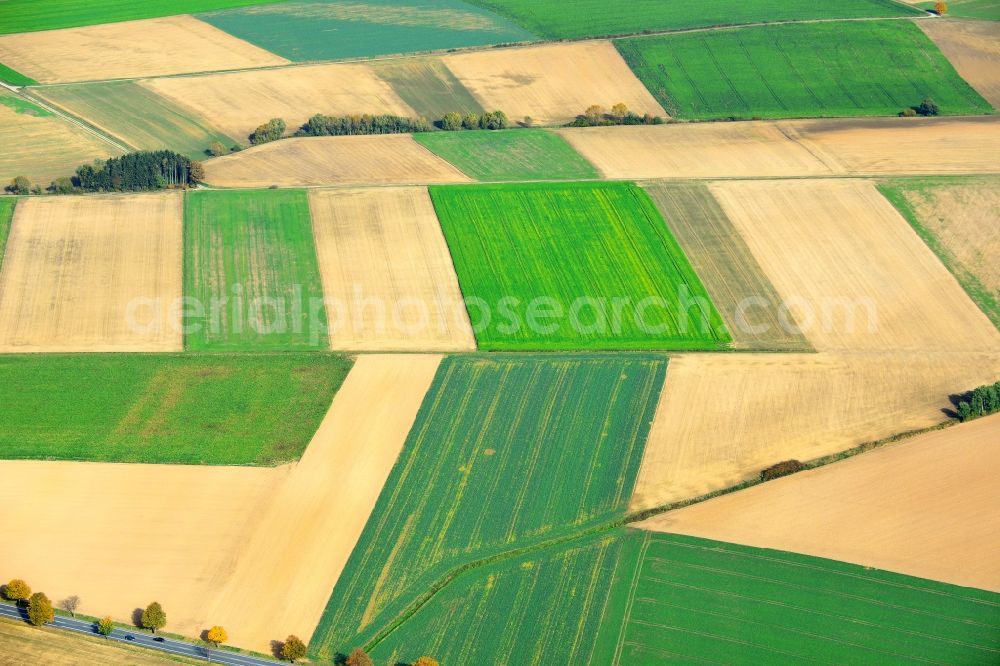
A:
[129,637]
[159,639]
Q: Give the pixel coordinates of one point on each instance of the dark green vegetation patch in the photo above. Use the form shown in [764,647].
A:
[573,266]
[796,71]
[520,154]
[427,86]
[6,214]
[558,19]
[32,15]
[250,264]
[137,116]
[8,75]
[507,452]
[744,296]
[331,29]
[155,408]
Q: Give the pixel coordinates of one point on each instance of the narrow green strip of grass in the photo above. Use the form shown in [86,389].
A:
[6,215]
[8,75]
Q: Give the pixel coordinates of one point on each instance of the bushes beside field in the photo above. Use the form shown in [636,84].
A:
[981,401]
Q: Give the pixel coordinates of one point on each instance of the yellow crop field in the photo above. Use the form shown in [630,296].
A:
[973,47]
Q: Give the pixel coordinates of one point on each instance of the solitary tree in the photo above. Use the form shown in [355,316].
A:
[359,658]
[20,185]
[105,626]
[470,121]
[594,113]
[619,110]
[70,604]
[40,609]
[216,636]
[928,108]
[426,661]
[216,149]
[17,590]
[153,617]
[941,8]
[293,647]
[196,172]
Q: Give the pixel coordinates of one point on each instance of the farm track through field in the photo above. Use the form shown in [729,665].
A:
[71,119]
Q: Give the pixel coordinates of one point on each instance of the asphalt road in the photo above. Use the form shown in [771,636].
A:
[146,640]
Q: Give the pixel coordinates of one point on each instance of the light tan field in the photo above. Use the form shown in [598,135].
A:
[973,47]
[388,278]
[121,536]
[850,270]
[551,84]
[925,507]
[302,540]
[724,417]
[44,148]
[93,273]
[169,45]
[333,160]
[237,102]
[701,150]
[21,643]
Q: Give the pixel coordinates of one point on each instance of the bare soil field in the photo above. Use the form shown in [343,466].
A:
[388,277]
[851,272]
[23,644]
[96,273]
[333,160]
[237,102]
[704,150]
[924,507]
[42,146]
[973,47]
[284,573]
[552,84]
[151,47]
[121,536]
[724,417]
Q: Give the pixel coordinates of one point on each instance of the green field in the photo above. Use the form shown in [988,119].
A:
[136,115]
[959,222]
[21,105]
[254,248]
[518,154]
[6,214]
[427,86]
[508,451]
[597,18]
[731,274]
[797,71]
[696,600]
[982,9]
[331,29]
[573,266]
[8,75]
[156,408]
[32,15]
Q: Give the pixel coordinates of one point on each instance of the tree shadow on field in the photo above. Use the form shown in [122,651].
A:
[137,618]
[955,399]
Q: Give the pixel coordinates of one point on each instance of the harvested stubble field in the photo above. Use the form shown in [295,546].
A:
[973,47]
[53,647]
[427,86]
[30,15]
[252,252]
[707,150]
[190,409]
[694,600]
[797,71]
[237,102]
[861,510]
[99,273]
[302,30]
[297,546]
[120,536]
[851,272]
[573,266]
[519,154]
[40,145]
[595,18]
[740,290]
[333,160]
[135,115]
[723,418]
[959,219]
[551,84]
[387,275]
[506,473]
[153,47]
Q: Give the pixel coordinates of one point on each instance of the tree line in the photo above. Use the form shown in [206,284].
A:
[981,401]
[596,116]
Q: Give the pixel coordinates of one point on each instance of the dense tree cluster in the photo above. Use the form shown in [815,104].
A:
[492,120]
[272,130]
[781,469]
[135,172]
[980,402]
[926,108]
[320,125]
[596,116]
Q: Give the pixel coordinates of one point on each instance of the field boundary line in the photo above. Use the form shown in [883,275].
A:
[636,575]
[72,119]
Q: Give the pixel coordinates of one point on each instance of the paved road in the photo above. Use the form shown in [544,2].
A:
[146,640]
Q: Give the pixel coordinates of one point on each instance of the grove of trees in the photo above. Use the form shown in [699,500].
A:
[981,401]
[272,130]
[321,125]
[596,116]
[139,171]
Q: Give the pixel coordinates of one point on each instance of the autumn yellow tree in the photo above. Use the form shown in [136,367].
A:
[16,590]
[619,110]
[216,636]
[359,658]
[40,609]
[105,626]
[426,661]
[153,617]
[594,113]
[293,648]
[941,8]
